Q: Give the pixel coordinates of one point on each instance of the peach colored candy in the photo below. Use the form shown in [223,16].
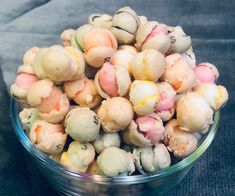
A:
[115,114]
[83,92]
[180,142]
[108,80]
[206,73]
[179,73]
[99,44]
[124,56]
[48,137]
[30,55]
[52,104]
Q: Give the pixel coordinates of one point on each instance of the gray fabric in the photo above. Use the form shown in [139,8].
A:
[211,24]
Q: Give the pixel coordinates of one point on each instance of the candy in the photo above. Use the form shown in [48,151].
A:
[113,161]
[59,64]
[206,73]
[29,56]
[66,36]
[82,124]
[180,42]
[28,116]
[124,25]
[165,109]
[77,38]
[100,20]
[144,95]
[189,56]
[52,104]
[124,56]
[179,73]
[151,159]
[153,35]
[194,113]
[115,114]
[20,88]
[145,131]
[83,92]
[48,137]
[112,81]
[99,44]
[148,65]
[179,141]
[216,96]
[79,156]
[105,140]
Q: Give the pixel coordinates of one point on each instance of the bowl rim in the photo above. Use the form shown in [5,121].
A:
[135,179]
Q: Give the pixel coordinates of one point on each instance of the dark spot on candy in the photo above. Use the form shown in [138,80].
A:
[173,40]
[59,146]
[107,59]
[83,146]
[96,120]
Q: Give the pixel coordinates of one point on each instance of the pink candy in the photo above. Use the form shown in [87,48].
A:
[166,103]
[24,80]
[147,126]
[107,80]
[204,74]
[156,30]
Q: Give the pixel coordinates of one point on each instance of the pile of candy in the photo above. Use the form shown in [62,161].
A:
[125,89]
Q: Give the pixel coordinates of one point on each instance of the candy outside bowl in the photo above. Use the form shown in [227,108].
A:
[69,182]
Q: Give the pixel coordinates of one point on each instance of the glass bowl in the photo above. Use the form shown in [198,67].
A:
[70,182]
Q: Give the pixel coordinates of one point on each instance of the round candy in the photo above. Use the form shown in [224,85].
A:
[194,113]
[179,73]
[79,156]
[148,65]
[105,140]
[48,137]
[82,124]
[114,161]
[99,44]
[83,92]
[153,35]
[124,25]
[100,20]
[112,81]
[179,141]
[115,114]
[144,95]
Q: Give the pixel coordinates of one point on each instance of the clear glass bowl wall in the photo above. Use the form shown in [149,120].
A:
[69,182]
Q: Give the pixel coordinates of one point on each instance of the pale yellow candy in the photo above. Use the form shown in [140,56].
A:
[216,96]
[82,124]
[79,156]
[114,161]
[144,95]
[148,65]
[194,113]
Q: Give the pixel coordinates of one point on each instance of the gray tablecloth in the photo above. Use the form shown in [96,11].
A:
[27,23]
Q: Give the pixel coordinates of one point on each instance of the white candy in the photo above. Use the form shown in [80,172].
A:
[82,124]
